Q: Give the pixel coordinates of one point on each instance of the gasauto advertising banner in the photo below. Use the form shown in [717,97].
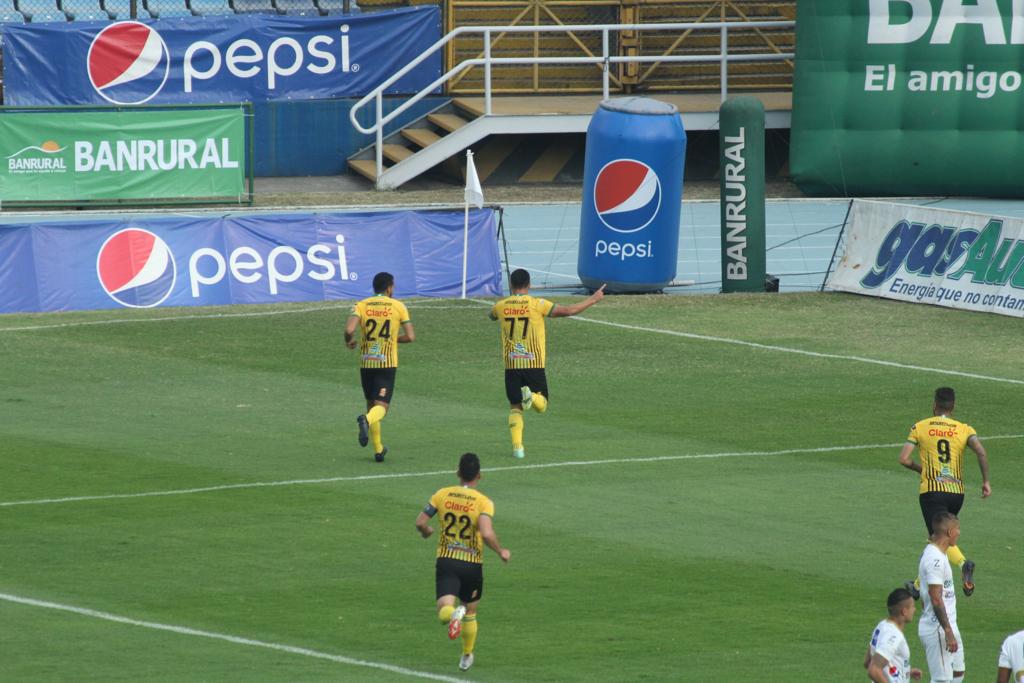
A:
[70,155]
[236,58]
[909,97]
[258,258]
[947,258]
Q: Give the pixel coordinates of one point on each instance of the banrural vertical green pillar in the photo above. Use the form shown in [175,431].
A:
[741,140]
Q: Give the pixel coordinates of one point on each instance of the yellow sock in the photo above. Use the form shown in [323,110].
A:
[540,404]
[469,627]
[955,556]
[917,583]
[375,414]
[515,425]
[378,445]
[445,613]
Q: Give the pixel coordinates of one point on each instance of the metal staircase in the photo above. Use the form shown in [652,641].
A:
[401,156]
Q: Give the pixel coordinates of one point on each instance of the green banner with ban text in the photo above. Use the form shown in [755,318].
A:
[122,155]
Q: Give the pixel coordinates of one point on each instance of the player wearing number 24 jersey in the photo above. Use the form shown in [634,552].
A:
[941,441]
[466,524]
[383,324]
[524,349]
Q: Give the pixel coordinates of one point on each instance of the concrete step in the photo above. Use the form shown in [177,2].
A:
[421,136]
[364,167]
[449,122]
[396,153]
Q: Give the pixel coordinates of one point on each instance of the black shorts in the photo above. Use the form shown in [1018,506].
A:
[455,577]
[934,502]
[516,379]
[378,383]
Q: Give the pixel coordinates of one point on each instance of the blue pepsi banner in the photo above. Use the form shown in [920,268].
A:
[242,259]
[237,58]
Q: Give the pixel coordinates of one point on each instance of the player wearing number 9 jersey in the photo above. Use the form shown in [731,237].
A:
[383,323]
[941,442]
[523,348]
[466,525]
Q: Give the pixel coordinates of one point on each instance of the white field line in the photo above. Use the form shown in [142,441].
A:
[186,631]
[205,316]
[448,472]
[786,349]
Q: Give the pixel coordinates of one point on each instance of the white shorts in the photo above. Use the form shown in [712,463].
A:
[941,663]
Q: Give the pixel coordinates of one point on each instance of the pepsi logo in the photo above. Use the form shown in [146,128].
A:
[627,195]
[128,63]
[136,268]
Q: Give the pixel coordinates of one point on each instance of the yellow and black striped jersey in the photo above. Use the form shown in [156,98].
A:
[460,508]
[941,442]
[380,320]
[522,329]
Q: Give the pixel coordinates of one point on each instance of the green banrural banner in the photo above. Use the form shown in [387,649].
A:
[909,97]
[122,155]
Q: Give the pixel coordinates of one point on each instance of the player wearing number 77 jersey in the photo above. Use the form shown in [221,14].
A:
[384,324]
[523,347]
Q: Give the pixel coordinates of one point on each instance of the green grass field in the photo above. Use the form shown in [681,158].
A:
[753,566]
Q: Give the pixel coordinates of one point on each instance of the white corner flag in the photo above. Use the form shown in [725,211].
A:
[474,196]
[474,193]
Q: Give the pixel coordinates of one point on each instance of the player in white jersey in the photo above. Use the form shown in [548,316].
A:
[943,647]
[888,657]
[1011,659]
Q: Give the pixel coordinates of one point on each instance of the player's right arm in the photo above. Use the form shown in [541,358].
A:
[1003,676]
[939,607]
[974,443]
[350,329]
[486,526]
[906,460]
[560,311]
[423,519]
[877,666]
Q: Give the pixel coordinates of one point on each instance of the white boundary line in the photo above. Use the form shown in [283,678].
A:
[237,640]
[449,472]
[786,349]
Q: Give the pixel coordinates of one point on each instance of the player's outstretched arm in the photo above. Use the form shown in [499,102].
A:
[350,331]
[491,538]
[975,444]
[560,311]
[423,525]
[408,334]
[906,460]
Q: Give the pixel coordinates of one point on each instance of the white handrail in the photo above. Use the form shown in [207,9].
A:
[605,60]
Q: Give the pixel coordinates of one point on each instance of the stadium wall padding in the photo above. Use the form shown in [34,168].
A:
[315,137]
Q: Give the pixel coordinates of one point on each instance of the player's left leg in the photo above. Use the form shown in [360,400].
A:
[954,502]
[537,389]
[513,392]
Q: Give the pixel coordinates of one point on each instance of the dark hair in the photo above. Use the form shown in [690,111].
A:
[896,599]
[945,398]
[943,521]
[518,279]
[469,467]
[381,282]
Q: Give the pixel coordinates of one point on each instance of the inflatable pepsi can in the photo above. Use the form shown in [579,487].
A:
[632,195]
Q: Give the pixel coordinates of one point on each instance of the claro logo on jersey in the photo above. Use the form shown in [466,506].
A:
[627,197]
[129,62]
[136,268]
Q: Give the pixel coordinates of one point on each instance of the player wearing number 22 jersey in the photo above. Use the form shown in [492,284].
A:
[523,348]
[466,524]
[941,441]
[383,324]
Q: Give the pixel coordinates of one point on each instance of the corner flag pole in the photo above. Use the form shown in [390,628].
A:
[474,196]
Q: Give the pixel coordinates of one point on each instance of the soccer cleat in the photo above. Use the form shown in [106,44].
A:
[379,457]
[912,589]
[527,398]
[968,572]
[455,623]
[519,453]
[466,661]
[364,430]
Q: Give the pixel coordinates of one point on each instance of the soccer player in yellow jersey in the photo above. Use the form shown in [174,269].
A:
[522,345]
[383,323]
[466,525]
[941,441]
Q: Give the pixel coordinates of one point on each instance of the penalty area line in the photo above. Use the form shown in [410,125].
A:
[447,472]
[237,640]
